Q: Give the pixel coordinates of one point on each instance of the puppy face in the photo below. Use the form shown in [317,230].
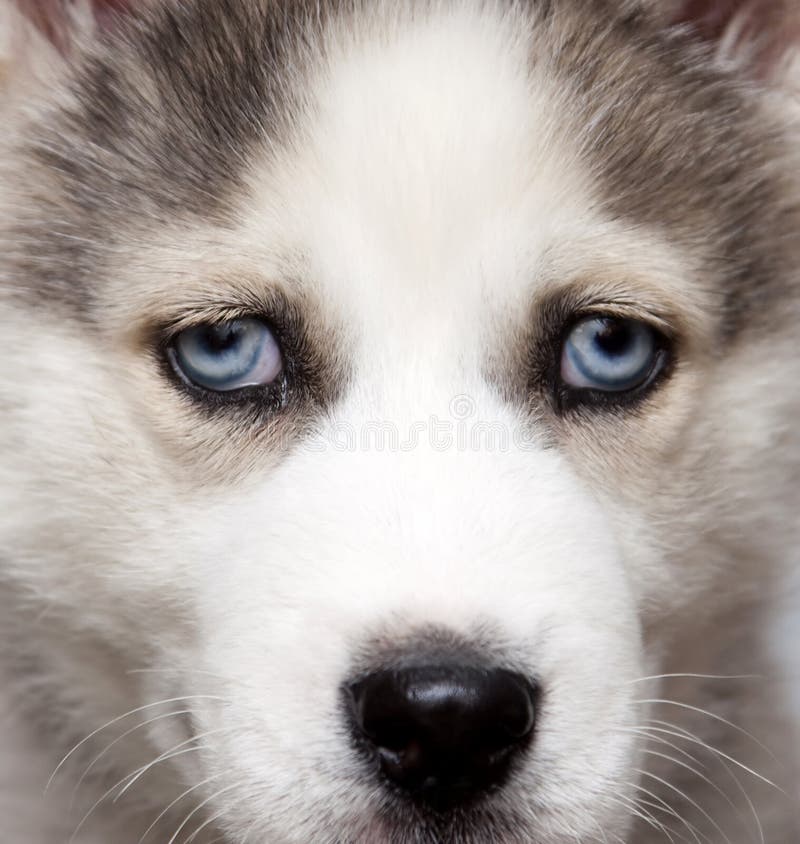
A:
[305,309]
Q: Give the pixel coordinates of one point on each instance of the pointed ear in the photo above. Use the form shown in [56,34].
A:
[38,36]
[762,36]
[59,21]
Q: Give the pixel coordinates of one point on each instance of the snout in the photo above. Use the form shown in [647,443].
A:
[442,733]
[430,671]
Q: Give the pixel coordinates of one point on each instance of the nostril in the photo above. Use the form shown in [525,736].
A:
[444,733]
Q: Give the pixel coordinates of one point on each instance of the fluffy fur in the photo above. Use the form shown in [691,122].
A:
[423,194]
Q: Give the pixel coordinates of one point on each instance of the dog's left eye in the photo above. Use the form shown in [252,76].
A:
[610,355]
[227,356]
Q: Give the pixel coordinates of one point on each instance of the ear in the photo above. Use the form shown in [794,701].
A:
[60,21]
[38,36]
[761,36]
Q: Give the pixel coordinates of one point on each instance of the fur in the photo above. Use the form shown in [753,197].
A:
[421,194]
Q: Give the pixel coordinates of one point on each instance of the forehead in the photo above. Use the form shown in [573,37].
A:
[427,163]
[402,145]
[435,184]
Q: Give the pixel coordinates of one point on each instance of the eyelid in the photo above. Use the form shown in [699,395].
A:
[277,304]
[660,322]
[214,315]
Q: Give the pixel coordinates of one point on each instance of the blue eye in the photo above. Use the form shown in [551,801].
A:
[610,354]
[228,355]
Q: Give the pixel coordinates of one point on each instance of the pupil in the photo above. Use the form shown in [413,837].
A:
[221,338]
[614,338]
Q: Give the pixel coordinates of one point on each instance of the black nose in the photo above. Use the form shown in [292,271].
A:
[444,734]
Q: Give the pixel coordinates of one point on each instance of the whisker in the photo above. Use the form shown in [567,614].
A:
[168,755]
[602,831]
[688,799]
[116,785]
[199,808]
[206,824]
[701,776]
[713,716]
[662,805]
[726,767]
[248,832]
[687,736]
[635,808]
[696,677]
[644,732]
[119,718]
[174,803]
[116,741]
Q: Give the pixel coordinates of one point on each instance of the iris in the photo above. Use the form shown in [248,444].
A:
[609,354]
[227,355]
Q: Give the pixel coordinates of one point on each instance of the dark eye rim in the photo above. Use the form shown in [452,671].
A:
[569,398]
[274,396]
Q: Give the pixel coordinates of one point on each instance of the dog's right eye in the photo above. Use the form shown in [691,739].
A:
[226,356]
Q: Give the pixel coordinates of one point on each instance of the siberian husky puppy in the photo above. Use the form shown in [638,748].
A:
[399,422]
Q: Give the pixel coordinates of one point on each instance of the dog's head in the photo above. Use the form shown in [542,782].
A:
[380,379]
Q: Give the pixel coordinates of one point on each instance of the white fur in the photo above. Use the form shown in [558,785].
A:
[425,233]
